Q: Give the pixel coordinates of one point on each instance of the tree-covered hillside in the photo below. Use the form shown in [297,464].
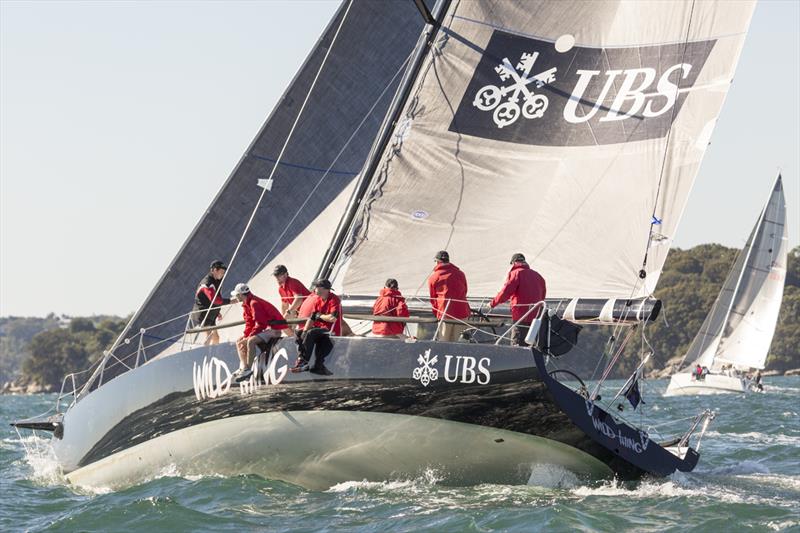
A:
[689,284]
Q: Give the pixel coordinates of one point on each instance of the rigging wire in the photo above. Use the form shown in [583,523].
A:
[344,147]
[653,219]
[280,154]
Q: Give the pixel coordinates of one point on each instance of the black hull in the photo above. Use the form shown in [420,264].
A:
[496,387]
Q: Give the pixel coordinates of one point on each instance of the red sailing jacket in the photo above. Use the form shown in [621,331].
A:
[291,288]
[315,304]
[257,314]
[206,292]
[448,284]
[389,303]
[524,286]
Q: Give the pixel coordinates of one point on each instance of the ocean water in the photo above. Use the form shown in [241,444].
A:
[748,479]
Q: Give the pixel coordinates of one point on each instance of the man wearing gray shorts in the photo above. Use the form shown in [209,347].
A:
[262,322]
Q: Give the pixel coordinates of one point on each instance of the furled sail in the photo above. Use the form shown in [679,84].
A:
[332,139]
[571,131]
[750,318]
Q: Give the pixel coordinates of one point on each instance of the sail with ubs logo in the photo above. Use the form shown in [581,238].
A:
[571,131]
[530,91]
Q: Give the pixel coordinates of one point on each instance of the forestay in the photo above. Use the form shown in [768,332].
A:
[357,83]
[570,131]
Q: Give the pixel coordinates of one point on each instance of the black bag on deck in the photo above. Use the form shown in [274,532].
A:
[556,335]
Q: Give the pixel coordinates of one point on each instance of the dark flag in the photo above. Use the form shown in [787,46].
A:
[632,392]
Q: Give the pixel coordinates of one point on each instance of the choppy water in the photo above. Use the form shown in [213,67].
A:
[748,479]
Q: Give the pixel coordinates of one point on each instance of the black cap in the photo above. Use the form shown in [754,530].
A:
[323,283]
[280,269]
[391,283]
[442,256]
[517,258]
[218,264]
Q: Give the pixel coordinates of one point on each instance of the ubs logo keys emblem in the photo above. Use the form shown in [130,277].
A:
[533,105]
[574,95]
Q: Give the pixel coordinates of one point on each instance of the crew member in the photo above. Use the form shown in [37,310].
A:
[262,322]
[323,311]
[389,303]
[292,291]
[204,314]
[526,289]
[448,290]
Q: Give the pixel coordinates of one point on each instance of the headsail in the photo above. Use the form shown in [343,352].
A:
[358,81]
[570,131]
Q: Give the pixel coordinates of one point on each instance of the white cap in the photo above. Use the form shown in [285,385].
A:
[240,290]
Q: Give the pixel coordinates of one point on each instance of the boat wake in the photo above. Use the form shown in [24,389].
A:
[40,458]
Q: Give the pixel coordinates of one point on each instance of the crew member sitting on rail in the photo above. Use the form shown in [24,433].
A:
[526,288]
[389,303]
[292,291]
[204,313]
[448,289]
[323,311]
[262,322]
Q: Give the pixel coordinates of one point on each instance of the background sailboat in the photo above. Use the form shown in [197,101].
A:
[737,333]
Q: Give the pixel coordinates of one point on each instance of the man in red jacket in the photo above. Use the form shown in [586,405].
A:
[323,311]
[448,290]
[262,322]
[292,291]
[525,288]
[389,303]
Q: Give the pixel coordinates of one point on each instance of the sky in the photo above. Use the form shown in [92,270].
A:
[119,122]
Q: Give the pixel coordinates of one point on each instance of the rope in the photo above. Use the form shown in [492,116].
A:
[666,147]
[280,155]
[328,171]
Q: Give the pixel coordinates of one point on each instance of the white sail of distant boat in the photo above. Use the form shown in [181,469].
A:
[737,333]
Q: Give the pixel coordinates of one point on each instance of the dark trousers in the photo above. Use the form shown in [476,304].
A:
[518,334]
[317,341]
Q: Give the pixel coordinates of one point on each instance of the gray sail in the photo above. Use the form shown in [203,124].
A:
[359,79]
[740,326]
[756,304]
[704,345]
[571,131]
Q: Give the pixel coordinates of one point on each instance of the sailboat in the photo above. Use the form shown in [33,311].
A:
[572,131]
[736,335]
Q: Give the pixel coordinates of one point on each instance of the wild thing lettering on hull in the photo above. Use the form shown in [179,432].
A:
[623,440]
[212,378]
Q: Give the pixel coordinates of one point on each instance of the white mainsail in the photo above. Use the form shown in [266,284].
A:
[740,326]
[570,131]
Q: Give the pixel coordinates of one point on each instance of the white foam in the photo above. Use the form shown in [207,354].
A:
[760,438]
[552,477]
[41,458]
[665,489]
[740,468]
[778,480]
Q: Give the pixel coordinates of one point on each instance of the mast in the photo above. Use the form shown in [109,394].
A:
[365,180]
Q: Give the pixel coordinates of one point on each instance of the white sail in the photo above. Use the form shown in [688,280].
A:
[704,346]
[570,131]
[750,324]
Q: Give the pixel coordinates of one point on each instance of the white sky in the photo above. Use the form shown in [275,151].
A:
[119,121]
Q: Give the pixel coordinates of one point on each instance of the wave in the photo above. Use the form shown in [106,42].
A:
[760,438]
[739,468]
